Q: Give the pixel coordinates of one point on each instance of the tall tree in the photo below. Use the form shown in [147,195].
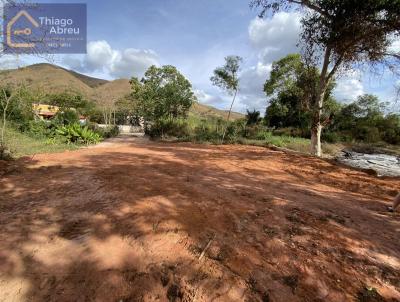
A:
[290,87]
[226,77]
[11,96]
[336,34]
[163,92]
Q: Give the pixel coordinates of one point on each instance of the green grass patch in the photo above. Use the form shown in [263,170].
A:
[22,145]
[288,142]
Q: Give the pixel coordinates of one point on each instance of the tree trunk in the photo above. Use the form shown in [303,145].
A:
[229,115]
[3,126]
[316,140]
[316,127]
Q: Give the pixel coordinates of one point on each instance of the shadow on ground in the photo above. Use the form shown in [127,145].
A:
[141,221]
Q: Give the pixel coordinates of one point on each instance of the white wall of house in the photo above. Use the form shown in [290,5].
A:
[125,129]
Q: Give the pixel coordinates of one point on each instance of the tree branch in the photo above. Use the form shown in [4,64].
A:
[394,55]
[335,68]
[308,4]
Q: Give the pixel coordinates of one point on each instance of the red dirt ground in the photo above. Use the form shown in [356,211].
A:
[128,220]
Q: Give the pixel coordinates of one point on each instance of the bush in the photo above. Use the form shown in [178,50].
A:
[368,134]
[66,117]
[263,135]
[392,136]
[330,137]
[291,131]
[168,128]
[204,133]
[75,133]
[232,132]
[109,131]
[38,129]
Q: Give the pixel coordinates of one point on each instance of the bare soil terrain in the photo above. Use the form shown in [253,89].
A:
[132,220]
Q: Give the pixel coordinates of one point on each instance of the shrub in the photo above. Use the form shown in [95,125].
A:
[232,132]
[392,136]
[38,129]
[109,131]
[204,132]
[291,131]
[75,133]
[368,134]
[330,137]
[66,117]
[168,128]
[263,135]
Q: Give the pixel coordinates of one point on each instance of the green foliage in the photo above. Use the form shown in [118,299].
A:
[206,133]
[226,77]
[37,129]
[292,131]
[66,117]
[75,133]
[20,106]
[235,129]
[107,132]
[338,28]
[162,93]
[166,127]
[331,137]
[292,88]
[257,132]
[23,144]
[126,112]
[336,34]
[364,120]
[390,129]
[253,117]
[67,101]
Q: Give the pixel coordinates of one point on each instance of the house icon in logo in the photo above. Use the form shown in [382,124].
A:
[26,31]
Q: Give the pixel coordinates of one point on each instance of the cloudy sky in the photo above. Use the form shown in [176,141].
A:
[125,37]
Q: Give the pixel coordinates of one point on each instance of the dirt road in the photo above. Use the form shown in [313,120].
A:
[128,221]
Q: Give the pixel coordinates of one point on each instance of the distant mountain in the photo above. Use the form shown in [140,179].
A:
[209,111]
[50,78]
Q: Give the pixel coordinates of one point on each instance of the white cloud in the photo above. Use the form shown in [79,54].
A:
[275,37]
[251,94]
[395,46]
[349,88]
[132,61]
[11,62]
[117,63]
[206,98]
[99,55]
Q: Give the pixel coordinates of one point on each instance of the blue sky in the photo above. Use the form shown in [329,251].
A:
[125,37]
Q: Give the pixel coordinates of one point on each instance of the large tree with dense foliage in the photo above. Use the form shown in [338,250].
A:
[337,34]
[290,88]
[163,92]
